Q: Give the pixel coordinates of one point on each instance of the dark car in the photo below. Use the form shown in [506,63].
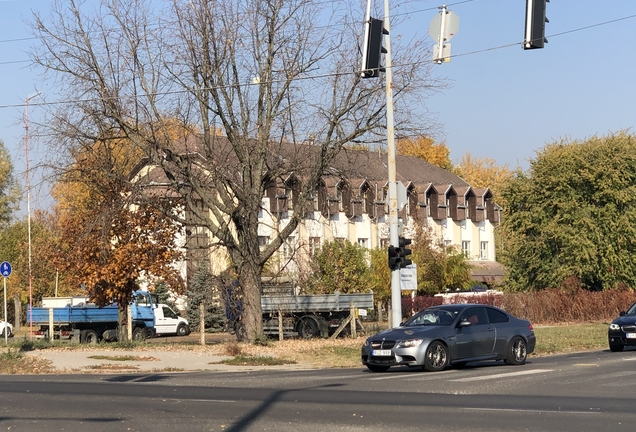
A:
[451,335]
[622,331]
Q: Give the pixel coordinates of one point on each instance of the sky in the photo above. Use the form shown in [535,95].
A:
[502,103]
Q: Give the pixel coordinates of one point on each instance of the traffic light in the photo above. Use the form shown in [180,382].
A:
[404,252]
[394,257]
[373,48]
[398,254]
[535,24]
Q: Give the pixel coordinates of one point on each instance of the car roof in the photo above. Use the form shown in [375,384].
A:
[460,306]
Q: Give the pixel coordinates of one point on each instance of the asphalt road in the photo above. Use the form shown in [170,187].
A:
[579,392]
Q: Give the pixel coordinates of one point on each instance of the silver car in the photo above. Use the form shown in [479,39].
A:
[451,335]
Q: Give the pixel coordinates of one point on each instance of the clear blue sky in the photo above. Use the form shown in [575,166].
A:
[503,103]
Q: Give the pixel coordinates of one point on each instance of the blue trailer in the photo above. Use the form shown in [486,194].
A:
[88,323]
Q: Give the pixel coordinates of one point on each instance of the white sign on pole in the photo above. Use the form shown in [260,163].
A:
[408,278]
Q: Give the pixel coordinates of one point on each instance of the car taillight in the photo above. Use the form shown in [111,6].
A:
[530,327]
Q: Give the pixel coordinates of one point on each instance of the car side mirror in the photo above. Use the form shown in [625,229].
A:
[402,324]
[623,313]
[464,323]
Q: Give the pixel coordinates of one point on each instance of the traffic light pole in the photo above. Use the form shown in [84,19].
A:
[396,293]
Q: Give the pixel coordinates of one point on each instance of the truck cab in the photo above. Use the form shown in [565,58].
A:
[168,322]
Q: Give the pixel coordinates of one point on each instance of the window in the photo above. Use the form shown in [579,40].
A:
[362,242]
[384,243]
[466,248]
[448,208]
[288,247]
[483,250]
[169,313]
[447,244]
[476,316]
[314,245]
[263,241]
[496,316]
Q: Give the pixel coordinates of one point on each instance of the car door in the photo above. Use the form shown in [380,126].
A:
[160,321]
[476,339]
[170,320]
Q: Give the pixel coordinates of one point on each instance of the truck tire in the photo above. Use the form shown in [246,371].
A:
[308,328]
[182,330]
[89,337]
[139,334]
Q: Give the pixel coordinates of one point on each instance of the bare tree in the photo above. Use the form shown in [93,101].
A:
[225,98]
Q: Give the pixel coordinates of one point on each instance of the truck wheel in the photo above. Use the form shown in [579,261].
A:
[182,330]
[308,328]
[89,337]
[139,334]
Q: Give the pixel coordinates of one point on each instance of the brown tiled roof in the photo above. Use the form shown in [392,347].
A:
[349,163]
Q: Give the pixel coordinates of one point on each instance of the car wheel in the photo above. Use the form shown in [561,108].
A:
[182,330]
[517,351]
[436,357]
[376,368]
[616,347]
[308,328]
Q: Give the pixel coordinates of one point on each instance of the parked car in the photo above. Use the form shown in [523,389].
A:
[451,335]
[3,326]
[622,331]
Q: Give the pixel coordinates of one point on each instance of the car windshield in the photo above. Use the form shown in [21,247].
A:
[432,317]
[632,310]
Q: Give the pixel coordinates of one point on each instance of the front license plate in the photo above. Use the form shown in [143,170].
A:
[381,353]
[630,335]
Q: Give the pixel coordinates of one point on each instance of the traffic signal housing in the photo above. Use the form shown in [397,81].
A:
[535,24]
[404,252]
[373,49]
[398,255]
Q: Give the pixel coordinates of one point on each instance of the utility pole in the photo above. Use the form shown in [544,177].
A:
[396,293]
[375,30]
[28,187]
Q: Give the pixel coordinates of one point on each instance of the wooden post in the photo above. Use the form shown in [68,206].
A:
[202,322]
[280,323]
[129,323]
[51,333]
[352,323]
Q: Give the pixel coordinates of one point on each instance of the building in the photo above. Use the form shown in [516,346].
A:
[351,203]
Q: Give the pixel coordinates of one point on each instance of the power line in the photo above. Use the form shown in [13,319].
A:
[312,77]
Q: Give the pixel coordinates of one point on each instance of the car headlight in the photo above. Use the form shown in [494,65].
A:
[410,343]
[614,326]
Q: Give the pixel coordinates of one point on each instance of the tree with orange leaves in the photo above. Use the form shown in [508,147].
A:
[425,148]
[109,240]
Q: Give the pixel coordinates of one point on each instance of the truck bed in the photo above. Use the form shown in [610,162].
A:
[71,315]
[316,302]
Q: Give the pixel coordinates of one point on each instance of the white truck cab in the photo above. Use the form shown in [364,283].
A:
[167,322]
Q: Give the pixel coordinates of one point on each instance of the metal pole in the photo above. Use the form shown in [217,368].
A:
[28,187]
[6,323]
[396,295]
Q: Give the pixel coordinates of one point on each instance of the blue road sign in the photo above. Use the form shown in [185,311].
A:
[5,269]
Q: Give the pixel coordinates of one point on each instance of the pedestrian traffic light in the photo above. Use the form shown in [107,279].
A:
[373,49]
[535,24]
[404,252]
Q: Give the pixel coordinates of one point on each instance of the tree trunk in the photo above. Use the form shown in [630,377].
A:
[250,326]
[18,312]
[122,334]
